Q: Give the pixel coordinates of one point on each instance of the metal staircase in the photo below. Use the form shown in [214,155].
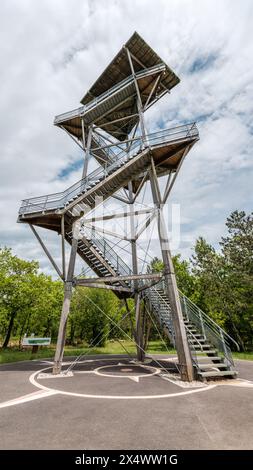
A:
[101,257]
[109,178]
[210,345]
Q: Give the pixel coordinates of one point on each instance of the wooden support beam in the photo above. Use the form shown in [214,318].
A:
[132,277]
[108,232]
[113,109]
[87,152]
[139,100]
[68,286]
[99,285]
[117,144]
[107,139]
[154,87]
[118,215]
[169,185]
[144,66]
[63,247]
[147,286]
[129,116]
[83,134]
[46,251]
[143,181]
[72,137]
[99,186]
[182,346]
[145,225]
[121,199]
[62,328]
[138,335]
[139,330]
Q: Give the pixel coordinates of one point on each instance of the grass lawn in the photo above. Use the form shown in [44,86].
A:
[248,356]
[13,354]
[112,347]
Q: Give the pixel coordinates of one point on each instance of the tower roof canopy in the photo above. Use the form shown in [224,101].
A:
[143,57]
[111,101]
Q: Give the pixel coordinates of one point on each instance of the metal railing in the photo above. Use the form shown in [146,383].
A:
[109,154]
[61,199]
[82,110]
[160,306]
[161,309]
[209,329]
[106,251]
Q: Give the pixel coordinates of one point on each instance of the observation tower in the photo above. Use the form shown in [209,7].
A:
[122,158]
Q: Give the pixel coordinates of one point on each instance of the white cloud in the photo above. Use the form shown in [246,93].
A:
[51,53]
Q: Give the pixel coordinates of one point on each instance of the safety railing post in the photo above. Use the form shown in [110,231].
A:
[45,204]
[202,324]
[226,355]
[185,309]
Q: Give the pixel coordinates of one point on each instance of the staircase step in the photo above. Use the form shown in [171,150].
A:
[208,365]
[210,351]
[198,340]
[204,346]
[213,358]
[220,373]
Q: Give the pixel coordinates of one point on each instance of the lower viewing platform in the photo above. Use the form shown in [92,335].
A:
[167,148]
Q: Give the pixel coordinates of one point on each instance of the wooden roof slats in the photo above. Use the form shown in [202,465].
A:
[106,98]
[119,66]
[108,105]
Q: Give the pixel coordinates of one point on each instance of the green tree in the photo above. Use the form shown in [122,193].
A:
[45,310]
[210,276]
[185,279]
[91,314]
[29,302]
[16,288]
[237,250]
[224,281]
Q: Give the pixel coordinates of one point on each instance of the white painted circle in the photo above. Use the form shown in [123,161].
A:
[34,382]
[153,371]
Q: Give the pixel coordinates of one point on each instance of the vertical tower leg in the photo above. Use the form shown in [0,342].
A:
[66,304]
[62,328]
[183,351]
[137,300]
[139,330]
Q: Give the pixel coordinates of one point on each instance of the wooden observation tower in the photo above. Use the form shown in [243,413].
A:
[121,158]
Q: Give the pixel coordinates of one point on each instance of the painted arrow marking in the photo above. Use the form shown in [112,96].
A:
[135,379]
[28,397]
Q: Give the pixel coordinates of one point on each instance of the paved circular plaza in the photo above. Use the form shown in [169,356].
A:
[112,402]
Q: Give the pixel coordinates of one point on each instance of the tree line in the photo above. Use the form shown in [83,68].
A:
[219,281]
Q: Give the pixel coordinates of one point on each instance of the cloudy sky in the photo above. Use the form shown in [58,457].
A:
[53,50]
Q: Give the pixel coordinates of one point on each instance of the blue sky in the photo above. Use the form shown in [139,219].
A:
[54,50]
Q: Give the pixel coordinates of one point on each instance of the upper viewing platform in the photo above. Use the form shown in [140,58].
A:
[118,148]
[111,101]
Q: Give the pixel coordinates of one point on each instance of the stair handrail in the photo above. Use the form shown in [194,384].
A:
[63,197]
[208,319]
[211,331]
[82,110]
[191,334]
[108,152]
[146,293]
[107,250]
[217,328]
[192,350]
